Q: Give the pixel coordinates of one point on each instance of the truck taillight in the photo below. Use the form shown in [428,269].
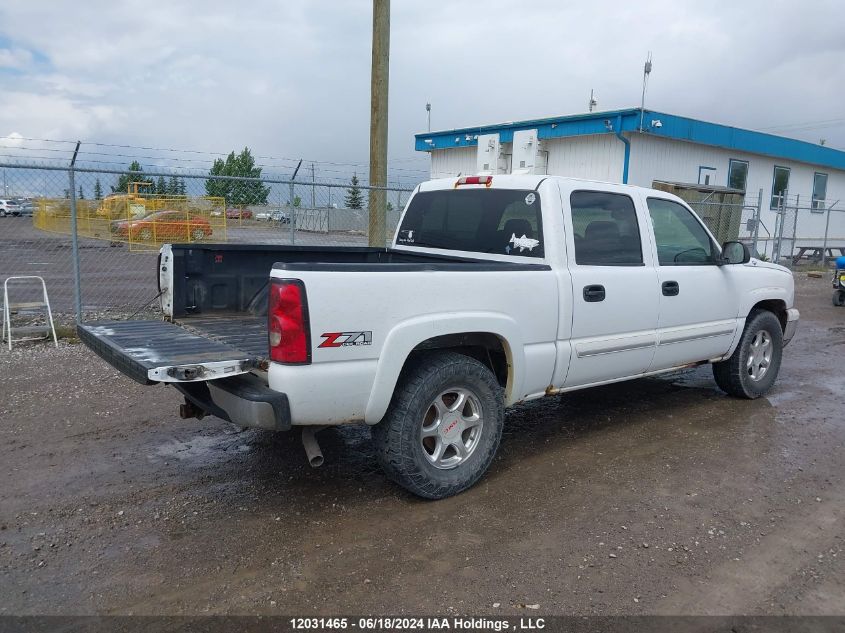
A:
[474,180]
[287,323]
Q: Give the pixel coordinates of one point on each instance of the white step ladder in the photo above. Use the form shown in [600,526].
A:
[27,332]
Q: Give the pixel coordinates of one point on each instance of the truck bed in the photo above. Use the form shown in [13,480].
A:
[217,304]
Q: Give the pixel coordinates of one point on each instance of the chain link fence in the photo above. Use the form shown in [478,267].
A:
[119,219]
[792,230]
[807,231]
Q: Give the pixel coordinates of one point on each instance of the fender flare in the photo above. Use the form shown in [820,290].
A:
[408,334]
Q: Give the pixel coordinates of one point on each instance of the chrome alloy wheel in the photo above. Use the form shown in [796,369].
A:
[451,428]
[759,355]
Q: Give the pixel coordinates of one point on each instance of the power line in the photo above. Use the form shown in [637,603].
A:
[291,161]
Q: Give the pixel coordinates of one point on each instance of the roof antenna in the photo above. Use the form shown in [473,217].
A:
[593,102]
[646,73]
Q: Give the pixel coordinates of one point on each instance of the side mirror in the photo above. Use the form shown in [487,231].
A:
[735,253]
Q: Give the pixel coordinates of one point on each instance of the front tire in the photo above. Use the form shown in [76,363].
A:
[443,426]
[753,367]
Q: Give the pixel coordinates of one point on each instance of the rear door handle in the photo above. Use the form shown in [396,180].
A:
[594,293]
[670,288]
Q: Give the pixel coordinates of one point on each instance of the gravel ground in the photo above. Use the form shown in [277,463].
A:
[658,496]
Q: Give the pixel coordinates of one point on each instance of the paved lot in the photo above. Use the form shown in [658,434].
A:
[656,496]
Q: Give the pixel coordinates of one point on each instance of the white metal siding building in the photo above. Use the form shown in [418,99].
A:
[610,146]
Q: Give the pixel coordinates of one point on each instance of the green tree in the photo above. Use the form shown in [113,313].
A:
[172,186]
[354,199]
[161,186]
[238,193]
[81,193]
[297,201]
[390,206]
[134,174]
[98,190]
[183,190]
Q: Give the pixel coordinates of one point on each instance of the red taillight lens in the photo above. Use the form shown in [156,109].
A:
[287,323]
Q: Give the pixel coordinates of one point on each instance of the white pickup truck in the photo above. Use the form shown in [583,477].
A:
[496,290]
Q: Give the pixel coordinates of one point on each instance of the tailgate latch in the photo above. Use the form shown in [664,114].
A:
[186,372]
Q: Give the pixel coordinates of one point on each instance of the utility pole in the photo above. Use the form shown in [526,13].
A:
[428,113]
[378,121]
[646,73]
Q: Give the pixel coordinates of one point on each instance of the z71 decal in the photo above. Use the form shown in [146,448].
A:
[345,339]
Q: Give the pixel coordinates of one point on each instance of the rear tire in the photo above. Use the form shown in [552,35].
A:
[753,367]
[443,426]
[839,298]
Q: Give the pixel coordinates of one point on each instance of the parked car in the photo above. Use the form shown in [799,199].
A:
[273,215]
[9,207]
[27,206]
[497,290]
[163,225]
[238,214]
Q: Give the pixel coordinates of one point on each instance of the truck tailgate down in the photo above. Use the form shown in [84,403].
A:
[158,351]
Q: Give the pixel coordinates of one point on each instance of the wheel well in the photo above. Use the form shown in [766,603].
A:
[775,306]
[484,347]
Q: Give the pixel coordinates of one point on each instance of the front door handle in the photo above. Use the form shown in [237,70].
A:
[670,288]
[594,293]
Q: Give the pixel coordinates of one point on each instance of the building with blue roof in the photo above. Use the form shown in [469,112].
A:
[646,147]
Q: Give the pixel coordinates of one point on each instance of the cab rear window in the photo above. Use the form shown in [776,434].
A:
[497,221]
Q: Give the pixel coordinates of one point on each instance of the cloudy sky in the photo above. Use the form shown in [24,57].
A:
[291,79]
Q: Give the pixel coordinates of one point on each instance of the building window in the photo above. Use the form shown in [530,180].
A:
[780,183]
[737,174]
[706,175]
[819,190]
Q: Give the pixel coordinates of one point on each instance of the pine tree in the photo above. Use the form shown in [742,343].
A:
[161,186]
[183,189]
[134,174]
[98,190]
[238,193]
[81,193]
[173,186]
[354,199]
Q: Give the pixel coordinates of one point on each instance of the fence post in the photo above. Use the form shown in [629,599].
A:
[77,276]
[313,188]
[757,220]
[292,218]
[795,227]
[826,229]
[782,204]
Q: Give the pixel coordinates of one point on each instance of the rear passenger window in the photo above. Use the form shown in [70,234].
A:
[606,229]
[499,221]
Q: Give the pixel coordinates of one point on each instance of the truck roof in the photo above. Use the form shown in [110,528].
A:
[528,181]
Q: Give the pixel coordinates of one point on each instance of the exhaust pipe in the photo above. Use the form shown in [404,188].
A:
[312,448]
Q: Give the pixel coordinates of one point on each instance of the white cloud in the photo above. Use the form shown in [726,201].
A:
[15,58]
[292,78]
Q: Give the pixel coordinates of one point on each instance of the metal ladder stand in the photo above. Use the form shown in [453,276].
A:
[28,306]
